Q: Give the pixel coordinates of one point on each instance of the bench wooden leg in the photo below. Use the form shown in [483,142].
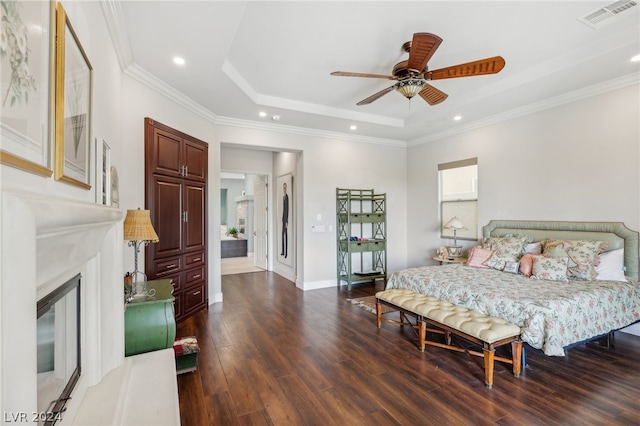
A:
[516,353]
[422,334]
[447,337]
[378,314]
[489,355]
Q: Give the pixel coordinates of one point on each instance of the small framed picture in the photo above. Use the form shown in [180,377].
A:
[103,172]
[115,187]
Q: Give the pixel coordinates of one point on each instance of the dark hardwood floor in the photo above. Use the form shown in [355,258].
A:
[271,354]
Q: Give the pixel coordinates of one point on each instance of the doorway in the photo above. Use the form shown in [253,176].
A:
[243,204]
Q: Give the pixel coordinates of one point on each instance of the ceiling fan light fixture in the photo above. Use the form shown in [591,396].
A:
[410,86]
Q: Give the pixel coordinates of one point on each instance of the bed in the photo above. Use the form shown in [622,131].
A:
[552,312]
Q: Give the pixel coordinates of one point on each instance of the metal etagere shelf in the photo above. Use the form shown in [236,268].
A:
[361,236]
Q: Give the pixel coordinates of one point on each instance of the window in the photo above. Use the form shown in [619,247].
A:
[459,197]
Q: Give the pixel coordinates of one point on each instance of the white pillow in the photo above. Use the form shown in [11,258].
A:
[533,248]
[611,267]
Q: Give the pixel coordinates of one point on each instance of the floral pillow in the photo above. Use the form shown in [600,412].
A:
[506,249]
[552,268]
[583,256]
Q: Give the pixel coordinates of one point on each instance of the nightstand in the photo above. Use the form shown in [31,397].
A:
[442,261]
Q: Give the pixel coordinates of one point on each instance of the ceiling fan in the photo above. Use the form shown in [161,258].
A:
[412,75]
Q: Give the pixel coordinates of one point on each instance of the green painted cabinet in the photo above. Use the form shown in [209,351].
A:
[150,325]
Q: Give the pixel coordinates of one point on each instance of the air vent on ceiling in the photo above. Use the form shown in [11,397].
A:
[609,14]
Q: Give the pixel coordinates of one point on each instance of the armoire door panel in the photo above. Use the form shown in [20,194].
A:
[167,154]
[194,226]
[167,216]
[195,160]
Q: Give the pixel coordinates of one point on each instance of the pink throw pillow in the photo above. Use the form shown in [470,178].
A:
[526,265]
[478,256]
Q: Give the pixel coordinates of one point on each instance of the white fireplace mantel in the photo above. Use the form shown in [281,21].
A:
[45,241]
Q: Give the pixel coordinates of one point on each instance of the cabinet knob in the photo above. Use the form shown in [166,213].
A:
[196,276]
[173,265]
[197,259]
[196,293]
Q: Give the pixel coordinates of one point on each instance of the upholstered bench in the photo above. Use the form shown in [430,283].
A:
[449,319]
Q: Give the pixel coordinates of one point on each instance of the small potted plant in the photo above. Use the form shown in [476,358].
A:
[233,232]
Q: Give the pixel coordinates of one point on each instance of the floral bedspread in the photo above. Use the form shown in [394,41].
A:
[551,314]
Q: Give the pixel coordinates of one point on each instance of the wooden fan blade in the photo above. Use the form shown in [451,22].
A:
[376,96]
[432,95]
[481,67]
[423,46]
[358,74]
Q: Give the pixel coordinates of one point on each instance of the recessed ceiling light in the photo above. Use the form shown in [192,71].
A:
[275,117]
[262,114]
[178,60]
[353,127]
[457,117]
[635,58]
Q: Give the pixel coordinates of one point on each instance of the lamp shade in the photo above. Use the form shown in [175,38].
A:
[410,87]
[138,227]
[454,223]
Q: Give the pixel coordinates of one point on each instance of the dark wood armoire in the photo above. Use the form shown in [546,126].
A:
[176,196]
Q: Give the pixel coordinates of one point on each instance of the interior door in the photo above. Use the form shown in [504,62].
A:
[260,230]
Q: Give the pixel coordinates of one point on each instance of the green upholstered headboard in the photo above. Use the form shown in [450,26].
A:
[615,233]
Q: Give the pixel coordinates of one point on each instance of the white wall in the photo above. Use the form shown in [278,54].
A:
[579,161]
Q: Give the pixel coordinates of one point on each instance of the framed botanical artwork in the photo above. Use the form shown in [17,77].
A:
[284,221]
[103,172]
[27,64]
[74,76]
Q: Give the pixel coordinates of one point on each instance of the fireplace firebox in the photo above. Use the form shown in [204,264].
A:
[59,348]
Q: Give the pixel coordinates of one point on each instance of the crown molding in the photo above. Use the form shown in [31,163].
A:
[149,80]
[310,108]
[303,131]
[154,83]
[113,15]
[576,95]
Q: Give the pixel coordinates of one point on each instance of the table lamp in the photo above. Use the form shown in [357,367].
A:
[139,230]
[455,224]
